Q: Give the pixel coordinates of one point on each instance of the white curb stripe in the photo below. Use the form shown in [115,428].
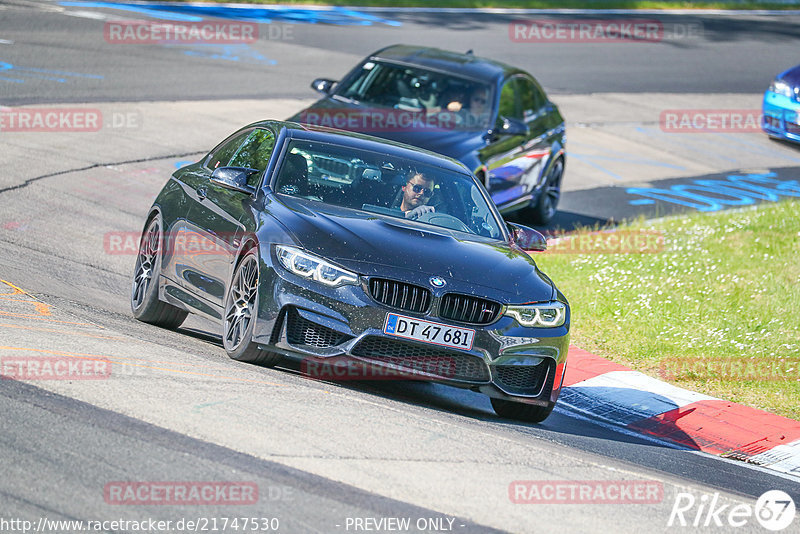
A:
[625,397]
[784,458]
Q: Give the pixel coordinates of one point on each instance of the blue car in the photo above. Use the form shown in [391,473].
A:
[782,106]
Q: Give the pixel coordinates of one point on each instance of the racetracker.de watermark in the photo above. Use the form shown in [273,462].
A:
[53,368]
[182,243]
[619,30]
[730,369]
[58,119]
[204,32]
[586,491]
[710,120]
[376,120]
[608,242]
[177,493]
[337,368]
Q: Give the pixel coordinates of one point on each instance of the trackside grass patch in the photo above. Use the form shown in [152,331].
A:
[715,309]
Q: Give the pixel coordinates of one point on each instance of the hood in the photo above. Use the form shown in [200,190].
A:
[436,135]
[791,76]
[376,245]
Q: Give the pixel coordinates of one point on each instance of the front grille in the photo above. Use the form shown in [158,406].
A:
[521,379]
[301,331]
[775,122]
[792,128]
[419,358]
[400,295]
[467,309]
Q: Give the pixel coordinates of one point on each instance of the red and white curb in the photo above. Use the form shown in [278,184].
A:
[600,389]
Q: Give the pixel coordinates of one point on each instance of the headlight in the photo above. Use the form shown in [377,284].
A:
[309,266]
[546,314]
[780,87]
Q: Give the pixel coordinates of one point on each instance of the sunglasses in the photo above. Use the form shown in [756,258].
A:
[479,99]
[426,191]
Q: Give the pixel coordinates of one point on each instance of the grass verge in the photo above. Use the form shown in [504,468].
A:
[716,310]
[540,4]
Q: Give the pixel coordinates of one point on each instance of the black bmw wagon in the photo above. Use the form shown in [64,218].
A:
[494,118]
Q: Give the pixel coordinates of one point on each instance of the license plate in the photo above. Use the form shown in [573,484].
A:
[428,332]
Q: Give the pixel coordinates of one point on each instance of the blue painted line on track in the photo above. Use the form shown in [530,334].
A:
[59,76]
[649,162]
[294,15]
[689,147]
[622,156]
[587,160]
[62,72]
[229,52]
[761,150]
[714,195]
[135,8]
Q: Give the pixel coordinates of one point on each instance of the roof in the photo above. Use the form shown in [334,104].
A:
[366,142]
[455,63]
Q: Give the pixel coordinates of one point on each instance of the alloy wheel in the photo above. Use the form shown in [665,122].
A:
[552,190]
[148,255]
[241,302]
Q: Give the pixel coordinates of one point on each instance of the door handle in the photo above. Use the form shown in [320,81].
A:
[202,192]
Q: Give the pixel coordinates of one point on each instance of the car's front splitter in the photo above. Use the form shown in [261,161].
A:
[341,331]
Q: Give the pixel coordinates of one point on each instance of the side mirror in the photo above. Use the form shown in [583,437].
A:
[526,238]
[234,178]
[322,85]
[509,126]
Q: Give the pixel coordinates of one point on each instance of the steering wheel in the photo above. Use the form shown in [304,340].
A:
[445,220]
[449,119]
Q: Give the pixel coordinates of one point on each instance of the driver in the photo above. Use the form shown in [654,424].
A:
[479,107]
[416,194]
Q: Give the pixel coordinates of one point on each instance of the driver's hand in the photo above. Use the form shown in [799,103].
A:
[419,211]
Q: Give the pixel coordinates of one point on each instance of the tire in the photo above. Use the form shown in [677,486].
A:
[530,413]
[543,211]
[145,304]
[241,305]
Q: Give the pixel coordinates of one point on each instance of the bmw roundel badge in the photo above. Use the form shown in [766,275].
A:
[437,281]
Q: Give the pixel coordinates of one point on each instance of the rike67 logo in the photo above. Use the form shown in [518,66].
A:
[774,510]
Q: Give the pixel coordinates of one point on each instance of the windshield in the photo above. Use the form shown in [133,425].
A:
[385,185]
[464,103]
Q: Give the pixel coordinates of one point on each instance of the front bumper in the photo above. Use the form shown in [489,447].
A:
[303,320]
[781,117]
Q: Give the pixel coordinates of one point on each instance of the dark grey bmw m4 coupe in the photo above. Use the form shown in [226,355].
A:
[325,246]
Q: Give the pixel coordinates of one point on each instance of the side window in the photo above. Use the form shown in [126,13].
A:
[508,100]
[222,154]
[531,98]
[255,153]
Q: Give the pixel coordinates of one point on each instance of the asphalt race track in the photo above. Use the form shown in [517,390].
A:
[324,457]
